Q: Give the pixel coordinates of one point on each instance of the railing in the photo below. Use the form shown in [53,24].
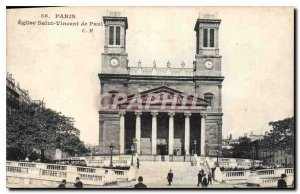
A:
[26,164]
[49,172]
[235,174]
[56,167]
[102,161]
[266,172]
[262,178]
[289,171]
[233,162]
[158,71]
[89,170]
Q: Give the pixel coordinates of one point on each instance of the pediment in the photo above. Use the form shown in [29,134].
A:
[167,95]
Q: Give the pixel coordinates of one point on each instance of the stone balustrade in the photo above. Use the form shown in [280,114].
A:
[160,71]
[55,173]
[262,178]
[232,162]
[104,161]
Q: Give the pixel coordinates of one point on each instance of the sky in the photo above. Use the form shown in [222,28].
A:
[60,64]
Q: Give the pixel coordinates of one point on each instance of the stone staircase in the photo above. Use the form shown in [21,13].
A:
[156,172]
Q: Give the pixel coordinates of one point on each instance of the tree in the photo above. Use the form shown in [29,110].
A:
[33,127]
[243,149]
[280,137]
[283,135]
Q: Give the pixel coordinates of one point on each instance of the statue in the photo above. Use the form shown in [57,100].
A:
[182,64]
[154,64]
[168,64]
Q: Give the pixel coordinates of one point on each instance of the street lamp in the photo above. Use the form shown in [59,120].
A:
[217,158]
[134,141]
[253,150]
[206,148]
[119,147]
[132,151]
[195,143]
[111,148]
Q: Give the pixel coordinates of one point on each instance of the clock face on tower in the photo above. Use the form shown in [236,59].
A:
[208,65]
[114,62]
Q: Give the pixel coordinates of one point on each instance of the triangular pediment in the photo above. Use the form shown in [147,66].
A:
[163,93]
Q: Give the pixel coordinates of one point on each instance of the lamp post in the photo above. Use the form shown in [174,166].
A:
[217,158]
[133,148]
[253,166]
[119,148]
[195,144]
[206,148]
[132,151]
[111,148]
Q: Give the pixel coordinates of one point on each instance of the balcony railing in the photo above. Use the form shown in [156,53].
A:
[160,71]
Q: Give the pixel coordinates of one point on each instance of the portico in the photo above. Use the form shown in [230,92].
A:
[169,128]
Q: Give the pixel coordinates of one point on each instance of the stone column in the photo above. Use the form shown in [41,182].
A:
[202,142]
[171,133]
[138,132]
[187,133]
[122,132]
[154,132]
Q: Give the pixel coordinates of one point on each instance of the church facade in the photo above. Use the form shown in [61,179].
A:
[161,110]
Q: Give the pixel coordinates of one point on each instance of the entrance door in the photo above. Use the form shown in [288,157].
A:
[162,150]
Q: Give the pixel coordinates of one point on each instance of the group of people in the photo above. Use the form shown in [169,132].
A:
[203,180]
[141,185]
[78,184]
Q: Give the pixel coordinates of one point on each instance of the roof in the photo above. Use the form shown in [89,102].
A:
[122,19]
[208,21]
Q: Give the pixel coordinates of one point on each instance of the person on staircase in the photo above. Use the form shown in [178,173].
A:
[204,181]
[140,185]
[281,182]
[209,178]
[78,184]
[63,184]
[170,177]
[199,178]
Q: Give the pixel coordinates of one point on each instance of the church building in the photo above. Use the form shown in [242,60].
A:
[183,115]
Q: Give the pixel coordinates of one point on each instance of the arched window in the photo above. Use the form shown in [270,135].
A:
[209,97]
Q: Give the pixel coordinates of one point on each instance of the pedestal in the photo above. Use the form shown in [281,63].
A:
[253,179]
[218,174]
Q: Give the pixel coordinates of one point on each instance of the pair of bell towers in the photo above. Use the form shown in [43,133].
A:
[207,59]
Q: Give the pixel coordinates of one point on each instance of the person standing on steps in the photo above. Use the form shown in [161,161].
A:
[199,178]
[170,177]
[78,184]
[63,184]
[281,182]
[204,181]
[209,178]
[140,185]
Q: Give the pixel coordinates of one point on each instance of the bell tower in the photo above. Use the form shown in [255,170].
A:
[114,57]
[208,60]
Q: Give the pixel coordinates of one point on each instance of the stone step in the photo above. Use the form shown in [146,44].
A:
[156,172]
